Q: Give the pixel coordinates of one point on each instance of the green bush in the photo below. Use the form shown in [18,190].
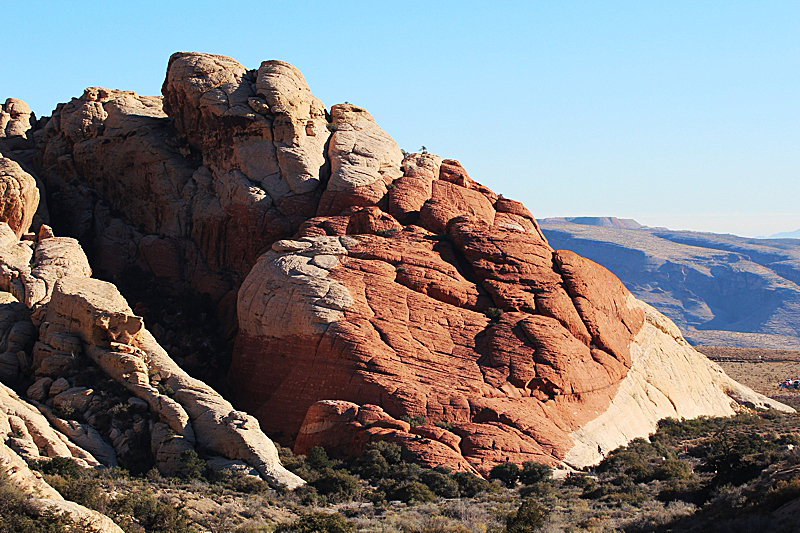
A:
[338,484]
[85,491]
[403,471]
[529,517]
[533,472]
[541,489]
[58,466]
[507,473]
[410,491]
[582,481]
[371,465]
[493,314]
[15,519]
[318,459]
[469,485]
[318,523]
[440,483]
[192,465]
[239,482]
[673,469]
[416,421]
[141,509]
[391,451]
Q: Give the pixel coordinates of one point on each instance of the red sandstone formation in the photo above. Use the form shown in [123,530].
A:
[371,286]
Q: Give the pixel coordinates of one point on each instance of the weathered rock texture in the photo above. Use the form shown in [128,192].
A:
[373,286]
[53,317]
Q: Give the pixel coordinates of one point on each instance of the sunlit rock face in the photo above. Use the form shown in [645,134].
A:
[370,285]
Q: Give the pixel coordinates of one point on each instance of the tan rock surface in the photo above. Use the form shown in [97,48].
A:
[115,339]
[19,194]
[364,161]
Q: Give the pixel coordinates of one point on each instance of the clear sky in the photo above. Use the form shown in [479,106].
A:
[677,114]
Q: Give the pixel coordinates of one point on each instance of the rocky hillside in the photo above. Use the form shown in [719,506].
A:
[719,289]
[373,295]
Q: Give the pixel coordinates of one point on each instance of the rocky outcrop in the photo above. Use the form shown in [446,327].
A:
[208,177]
[20,196]
[346,428]
[371,286]
[391,321]
[17,123]
[80,318]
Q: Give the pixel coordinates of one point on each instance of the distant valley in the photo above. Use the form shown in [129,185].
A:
[721,290]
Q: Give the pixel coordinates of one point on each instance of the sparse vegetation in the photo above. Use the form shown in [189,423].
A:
[494,314]
[708,474]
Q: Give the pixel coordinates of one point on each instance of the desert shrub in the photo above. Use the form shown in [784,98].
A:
[469,485]
[141,509]
[338,484]
[672,469]
[192,465]
[309,496]
[440,483]
[15,519]
[533,472]
[391,451]
[58,466]
[783,440]
[735,458]
[318,523]
[416,421]
[403,471]
[444,425]
[528,518]
[581,481]
[410,491]
[239,482]
[780,493]
[372,465]
[540,489]
[507,473]
[318,459]
[687,490]
[85,491]
[67,413]
[493,314]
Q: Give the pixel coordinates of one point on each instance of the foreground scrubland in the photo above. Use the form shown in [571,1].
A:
[710,474]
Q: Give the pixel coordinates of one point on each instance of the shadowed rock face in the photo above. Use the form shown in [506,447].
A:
[371,286]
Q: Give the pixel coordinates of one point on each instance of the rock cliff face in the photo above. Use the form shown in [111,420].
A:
[372,288]
[67,343]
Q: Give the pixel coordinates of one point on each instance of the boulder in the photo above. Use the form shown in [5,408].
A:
[19,196]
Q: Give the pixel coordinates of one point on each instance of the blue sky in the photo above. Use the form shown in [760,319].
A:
[677,114]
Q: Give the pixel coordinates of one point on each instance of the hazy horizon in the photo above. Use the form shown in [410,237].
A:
[683,115]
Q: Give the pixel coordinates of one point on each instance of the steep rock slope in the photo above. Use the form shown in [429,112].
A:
[373,286]
[707,283]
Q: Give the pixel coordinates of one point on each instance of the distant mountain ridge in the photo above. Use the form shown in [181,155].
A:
[719,289]
[784,235]
[603,222]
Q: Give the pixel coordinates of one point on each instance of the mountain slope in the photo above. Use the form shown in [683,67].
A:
[707,283]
